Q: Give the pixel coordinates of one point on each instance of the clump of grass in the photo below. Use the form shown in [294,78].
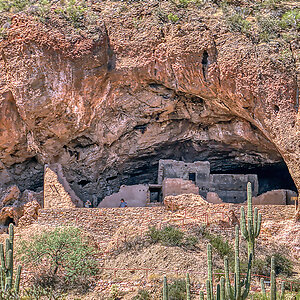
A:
[237,22]
[142,295]
[173,18]
[173,237]
[222,247]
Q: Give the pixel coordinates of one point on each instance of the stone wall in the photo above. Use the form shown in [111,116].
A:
[57,192]
[179,169]
[229,187]
[233,187]
[178,186]
[134,195]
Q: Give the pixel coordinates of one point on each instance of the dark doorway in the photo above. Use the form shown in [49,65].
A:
[192,176]
[155,194]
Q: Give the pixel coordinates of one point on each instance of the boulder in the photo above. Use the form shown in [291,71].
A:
[275,197]
[214,198]
[30,213]
[10,195]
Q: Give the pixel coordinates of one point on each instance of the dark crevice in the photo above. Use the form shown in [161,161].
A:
[204,64]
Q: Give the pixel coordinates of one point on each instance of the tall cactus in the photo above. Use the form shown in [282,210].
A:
[251,230]
[220,293]
[241,288]
[273,291]
[188,287]
[165,289]
[6,259]
[209,272]
[273,279]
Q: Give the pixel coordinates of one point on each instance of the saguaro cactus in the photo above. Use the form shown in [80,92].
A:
[241,287]
[6,272]
[220,293]
[165,289]
[273,291]
[251,230]
[273,279]
[188,287]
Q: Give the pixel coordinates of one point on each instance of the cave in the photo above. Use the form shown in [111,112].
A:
[223,160]
[8,221]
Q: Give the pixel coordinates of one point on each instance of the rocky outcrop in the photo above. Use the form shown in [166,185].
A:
[108,108]
[14,205]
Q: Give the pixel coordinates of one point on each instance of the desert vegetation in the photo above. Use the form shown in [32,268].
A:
[64,261]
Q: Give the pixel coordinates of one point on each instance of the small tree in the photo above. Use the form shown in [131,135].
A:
[63,252]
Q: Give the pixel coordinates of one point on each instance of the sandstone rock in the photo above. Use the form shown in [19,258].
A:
[30,213]
[106,108]
[275,197]
[174,203]
[213,197]
[11,195]
[28,196]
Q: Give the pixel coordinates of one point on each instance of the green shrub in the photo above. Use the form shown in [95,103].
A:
[190,242]
[290,19]
[154,234]
[171,236]
[63,253]
[177,290]
[73,12]
[173,18]
[238,23]
[217,242]
[13,5]
[283,265]
[142,295]
[268,27]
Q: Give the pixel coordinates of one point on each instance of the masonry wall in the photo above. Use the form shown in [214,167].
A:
[179,169]
[57,192]
[178,186]
[233,187]
[134,195]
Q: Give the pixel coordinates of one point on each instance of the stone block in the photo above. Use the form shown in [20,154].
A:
[178,186]
[275,197]
[214,198]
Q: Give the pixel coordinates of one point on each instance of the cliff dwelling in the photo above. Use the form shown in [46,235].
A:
[172,178]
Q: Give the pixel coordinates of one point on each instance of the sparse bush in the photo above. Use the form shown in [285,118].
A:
[222,247]
[268,27]
[173,18]
[237,22]
[115,294]
[73,11]
[142,295]
[66,255]
[190,242]
[290,19]
[172,236]
[13,5]
[38,292]
[177,290]
[154,234]
[283,265]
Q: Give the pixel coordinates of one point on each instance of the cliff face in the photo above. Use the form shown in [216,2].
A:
[108,107]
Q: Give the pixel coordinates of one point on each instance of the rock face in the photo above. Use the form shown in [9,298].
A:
[15,206]
[108,108]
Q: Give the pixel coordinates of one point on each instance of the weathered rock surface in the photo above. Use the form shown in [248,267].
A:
[276,197]
[213,197]
[15,205]
[108,108]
